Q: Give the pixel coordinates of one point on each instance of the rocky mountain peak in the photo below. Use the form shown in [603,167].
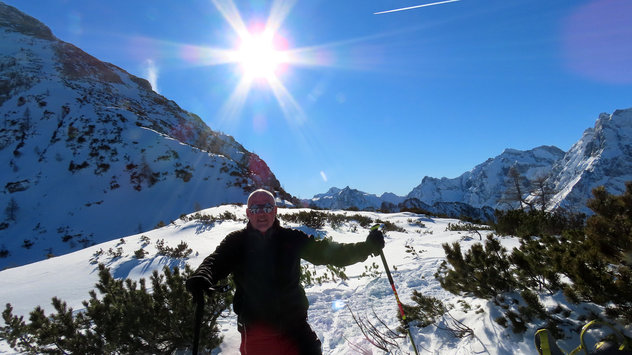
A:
[602,156]
[13,19]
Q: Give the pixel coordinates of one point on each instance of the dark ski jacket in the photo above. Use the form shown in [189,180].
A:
[266,271]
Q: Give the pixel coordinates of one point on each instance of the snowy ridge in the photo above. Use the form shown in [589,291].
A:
[474,194]
[341,199]
[602,157]
[485,183]
[92,153]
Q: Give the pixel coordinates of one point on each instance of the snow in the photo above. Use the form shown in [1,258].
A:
[71,276]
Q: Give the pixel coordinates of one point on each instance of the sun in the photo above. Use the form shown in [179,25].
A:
[264,54]
[259,57]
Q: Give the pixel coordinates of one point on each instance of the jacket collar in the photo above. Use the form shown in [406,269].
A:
[275,226]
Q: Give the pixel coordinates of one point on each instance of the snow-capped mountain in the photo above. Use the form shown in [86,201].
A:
[486,182]
[602,157]
[342,199]
[466,195]
[91,152]
[349,199]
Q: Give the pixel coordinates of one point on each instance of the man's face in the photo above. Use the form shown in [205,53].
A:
[261,221]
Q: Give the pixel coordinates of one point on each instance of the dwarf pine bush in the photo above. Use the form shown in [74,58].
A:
[596,258]
[123,319]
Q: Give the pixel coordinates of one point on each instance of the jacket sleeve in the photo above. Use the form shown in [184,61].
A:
[328,252]
[221,262]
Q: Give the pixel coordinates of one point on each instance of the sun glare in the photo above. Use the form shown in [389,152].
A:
[263,54]
[258,56]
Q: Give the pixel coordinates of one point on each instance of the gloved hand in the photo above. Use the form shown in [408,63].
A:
[375,241]
[197,285]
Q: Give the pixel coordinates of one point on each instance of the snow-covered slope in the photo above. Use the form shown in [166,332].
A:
[485,183]
[90,153]
[414,255]
[602,157]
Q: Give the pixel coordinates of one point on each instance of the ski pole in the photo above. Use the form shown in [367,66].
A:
[199,311]
[399,303]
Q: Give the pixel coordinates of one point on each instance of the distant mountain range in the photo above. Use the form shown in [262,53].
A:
[601,157]
[91,153]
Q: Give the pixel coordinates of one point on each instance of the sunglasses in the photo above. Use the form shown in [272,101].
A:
[256,209]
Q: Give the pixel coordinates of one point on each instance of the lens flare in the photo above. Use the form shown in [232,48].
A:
[597,41]
[338,305]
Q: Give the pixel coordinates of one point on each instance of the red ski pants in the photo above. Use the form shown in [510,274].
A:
[261,340]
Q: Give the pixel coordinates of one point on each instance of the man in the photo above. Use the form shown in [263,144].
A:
[264,259]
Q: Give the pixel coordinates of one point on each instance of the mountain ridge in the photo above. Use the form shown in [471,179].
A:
[601,157]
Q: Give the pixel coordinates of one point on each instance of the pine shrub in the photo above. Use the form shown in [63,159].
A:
[600,266]
[181,251]
[140,253]
[330,274]
[317,219]
[124,319]
[484,271]
[530,223]
[595,255]
[311,219]
[390,226]
[536,263]
[425,311]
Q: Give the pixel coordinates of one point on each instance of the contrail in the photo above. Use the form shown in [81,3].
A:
[415,7]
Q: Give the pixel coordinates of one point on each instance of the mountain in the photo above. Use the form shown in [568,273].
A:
[486,182]
[91,152]
[348,198]
[474,194]
[602,157]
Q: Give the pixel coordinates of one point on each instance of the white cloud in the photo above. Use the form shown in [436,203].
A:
[151,73]
[322,175]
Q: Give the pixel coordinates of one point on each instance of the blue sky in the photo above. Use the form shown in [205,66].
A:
[375,102]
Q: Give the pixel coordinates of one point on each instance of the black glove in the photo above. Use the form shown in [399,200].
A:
[197,285]
[375,241]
